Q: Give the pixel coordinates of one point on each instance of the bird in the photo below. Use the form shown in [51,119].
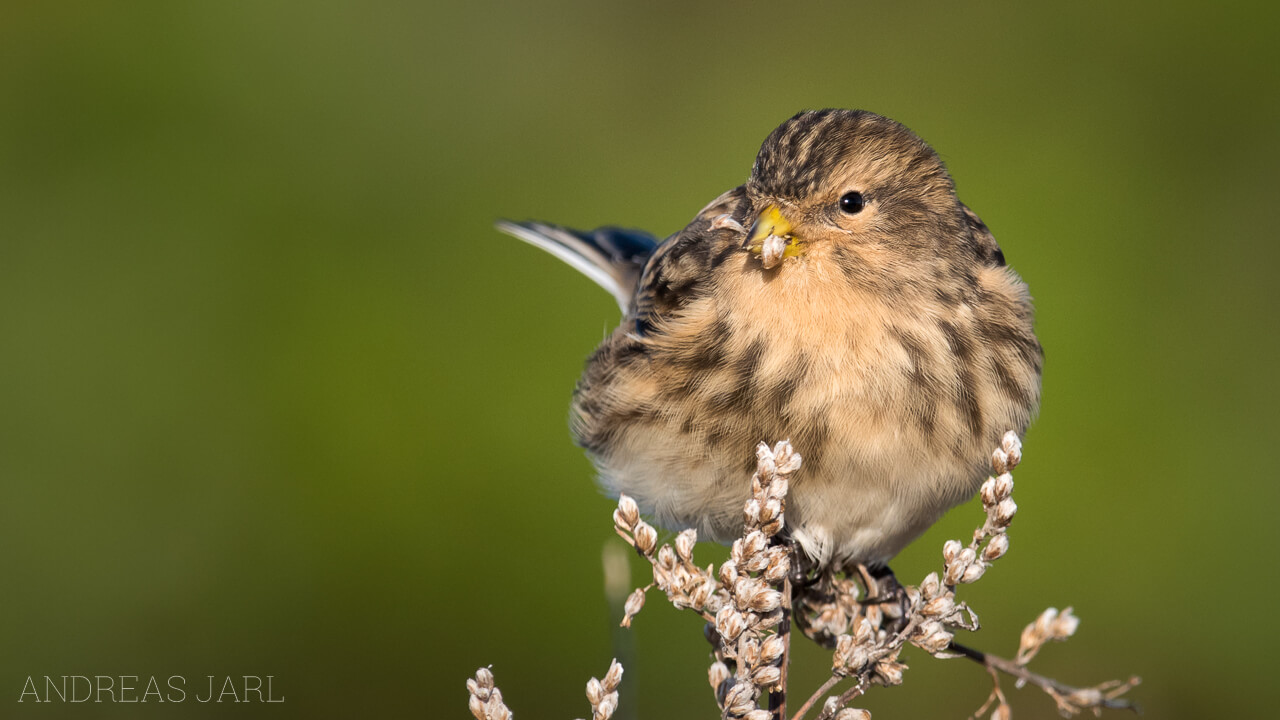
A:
[843,297]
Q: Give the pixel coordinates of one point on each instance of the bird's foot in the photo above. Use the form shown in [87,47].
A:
[885,592]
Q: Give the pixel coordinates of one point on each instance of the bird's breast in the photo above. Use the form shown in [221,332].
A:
[893,406]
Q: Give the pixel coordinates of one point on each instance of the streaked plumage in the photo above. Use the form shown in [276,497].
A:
[891,344]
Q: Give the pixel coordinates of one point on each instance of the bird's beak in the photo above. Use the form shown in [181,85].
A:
[769,222]
[771,238]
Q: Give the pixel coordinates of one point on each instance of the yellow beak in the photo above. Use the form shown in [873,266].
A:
[770,238]
[770,222]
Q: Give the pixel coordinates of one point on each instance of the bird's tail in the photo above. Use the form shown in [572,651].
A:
[612,257]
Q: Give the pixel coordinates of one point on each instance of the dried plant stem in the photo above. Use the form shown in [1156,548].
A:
[709,617]
[887,651]
[778,696]
[751,605]
[845,698]
[1107,696]
[816,696]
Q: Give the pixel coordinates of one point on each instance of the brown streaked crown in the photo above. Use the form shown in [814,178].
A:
[800,156]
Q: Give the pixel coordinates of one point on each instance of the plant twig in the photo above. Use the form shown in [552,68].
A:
[867,618]
[778,696]
[816,696]
[1077,699]
[844,699]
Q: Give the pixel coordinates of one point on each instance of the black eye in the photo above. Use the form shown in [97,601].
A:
[852,203]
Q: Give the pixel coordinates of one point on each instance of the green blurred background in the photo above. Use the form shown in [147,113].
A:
[277,400]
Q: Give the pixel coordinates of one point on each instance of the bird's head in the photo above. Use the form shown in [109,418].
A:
[852,180]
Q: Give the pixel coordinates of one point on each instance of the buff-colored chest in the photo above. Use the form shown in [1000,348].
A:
[869,388]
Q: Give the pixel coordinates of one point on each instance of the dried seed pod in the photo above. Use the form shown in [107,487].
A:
[988,492]
[613,677]
[684,544]
[605,709]
[844,652]
[1000,461]
[646,537]
[950,549]
[772,250]
[1012,445]
[1086,697]
[766,600]
[863,630]
[754,542]
[941,606]
[667,558]
[1065,626]
[1004,512]
[1036,634]
[889,672]
[933,638]
[702,594]
[730,623]
[741,698]
[930,587]
[1002,486]
[973,572]
[744,589]
[726,221]
[788,460]
[717,674]
[959,565]
[1015,456]
[627,514]
[495,708]
[635,601]
[779,567]
[771,650]
[767,676]
[756,563]
[728,572]
[996,547]
[773,527]
[765,465]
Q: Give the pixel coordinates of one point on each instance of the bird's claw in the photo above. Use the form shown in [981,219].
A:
[883,589]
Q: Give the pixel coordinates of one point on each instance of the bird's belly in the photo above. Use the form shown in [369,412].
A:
[855,499]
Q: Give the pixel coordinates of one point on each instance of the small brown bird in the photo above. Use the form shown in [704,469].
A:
[843,298]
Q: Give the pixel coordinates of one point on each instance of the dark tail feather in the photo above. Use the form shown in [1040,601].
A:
[612,257]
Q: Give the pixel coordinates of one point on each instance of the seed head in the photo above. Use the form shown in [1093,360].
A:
[646,537]
[627,514]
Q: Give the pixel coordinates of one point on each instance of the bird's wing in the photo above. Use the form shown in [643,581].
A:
[684,262]
[612,257]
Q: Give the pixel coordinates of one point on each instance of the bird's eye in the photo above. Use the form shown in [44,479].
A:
[852,203]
